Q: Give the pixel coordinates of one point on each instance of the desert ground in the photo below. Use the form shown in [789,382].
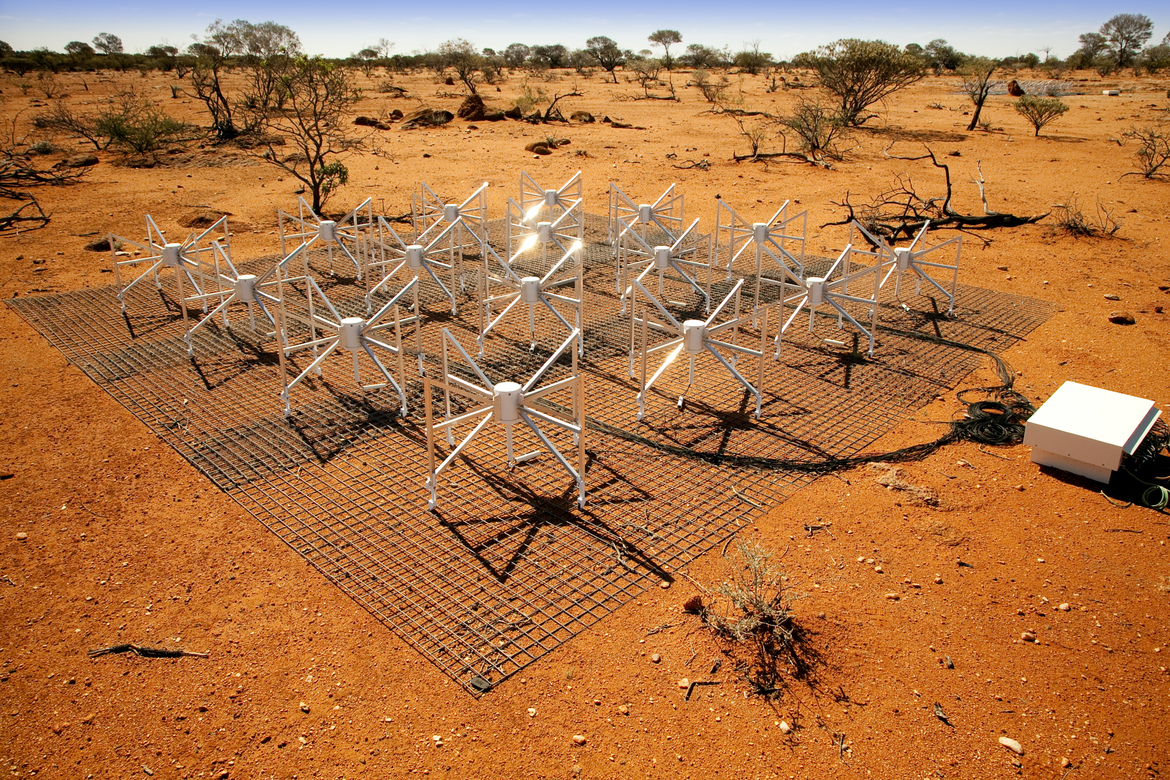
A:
[109,536]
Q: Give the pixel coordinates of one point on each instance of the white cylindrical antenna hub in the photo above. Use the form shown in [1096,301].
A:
[530,289]
[506,402]
[644,212]
[327,230]
[171,254]
[693,333]
[760,232]
[414,257]
[661,258]
[350,333]
[903,256]
[246,288]
[451,212]
[544,232]
[550,197]
[816,290]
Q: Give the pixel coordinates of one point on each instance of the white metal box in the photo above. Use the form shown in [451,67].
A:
[1086,430]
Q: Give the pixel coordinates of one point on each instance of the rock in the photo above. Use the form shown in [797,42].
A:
[1112,297]
[438,740]
[426,117]
[1064,606]
[532,712]
[584,117]
[694,604]
[514,113]
[784,727]
[578,739]
[938,580]
[1012,745]
[220,775]
[665,584]
[1028,636]
[449,81]
[656,658]
[395,115]
[99,245]
[538,147]
[893,596]
[304,708]
[21,536]
[1064,762]
[623,710]
[147,770]
[365,121]
[494,116]
[1014,89]
[471,109]
[878,569]
[1122,318]
[1001,267]
[78,161]
[684,683]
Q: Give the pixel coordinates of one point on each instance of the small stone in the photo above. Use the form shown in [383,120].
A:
[1064,762]
[937,580]
[878,569]
[684,683]
[304,708]
[578,739]
[1112,297]
[656,658]
[438,740]
[1001,267]
[693,604]
[147,770]
[532,712]
[869,561]
[784,727]
[624,710]
[1012,745]
[302,740]
[664,584]
[21,536]
[1122,318]
[893,596]
[1064,607]
[1028,636]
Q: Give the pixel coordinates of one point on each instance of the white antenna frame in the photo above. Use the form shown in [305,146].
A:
[624,215]
[186,260]
[771,240]
[429,214]
[506,403]
[816,291]
[351,334]
[351,229]
[532,290]
[913,259]
[634,255]
[695,337]
[233,287]
[390,251]
[562,209]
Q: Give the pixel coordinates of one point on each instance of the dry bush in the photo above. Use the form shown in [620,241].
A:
[818,129]
[1153,152]
[1071,218]
[751,611]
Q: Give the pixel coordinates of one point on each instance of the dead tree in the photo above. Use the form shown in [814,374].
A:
[902,212]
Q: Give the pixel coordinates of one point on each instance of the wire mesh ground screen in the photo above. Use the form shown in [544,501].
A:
[508,568]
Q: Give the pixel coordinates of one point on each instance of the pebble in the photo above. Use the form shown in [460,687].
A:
[1028,636]
[624,710]
[893,596]
[1064,762]
[1112,297]
[937,580]
[21,536]
[1065,607]
[1012,745]
[665,584]
[147,770]
[878,569]
[304,707]
[656,658]
[438,740]
[532,712]
[578,739]
[784,727]
[684,683]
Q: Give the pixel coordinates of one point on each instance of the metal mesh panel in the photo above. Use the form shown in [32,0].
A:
[508,568]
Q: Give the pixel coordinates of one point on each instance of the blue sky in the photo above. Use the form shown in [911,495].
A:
[996,27]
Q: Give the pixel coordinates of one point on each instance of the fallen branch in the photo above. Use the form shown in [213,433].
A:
[19,220]
[144,652]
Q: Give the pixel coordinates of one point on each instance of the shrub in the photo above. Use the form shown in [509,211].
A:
[1072,219]
[1153,148]
[860,73]
[818,129]
[1039,110]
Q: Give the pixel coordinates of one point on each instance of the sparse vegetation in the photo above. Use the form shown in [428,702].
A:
[977,83]
[860,73]
[1071,218]
[1039,111]
[752,612]
[818,128]
[1153,152]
